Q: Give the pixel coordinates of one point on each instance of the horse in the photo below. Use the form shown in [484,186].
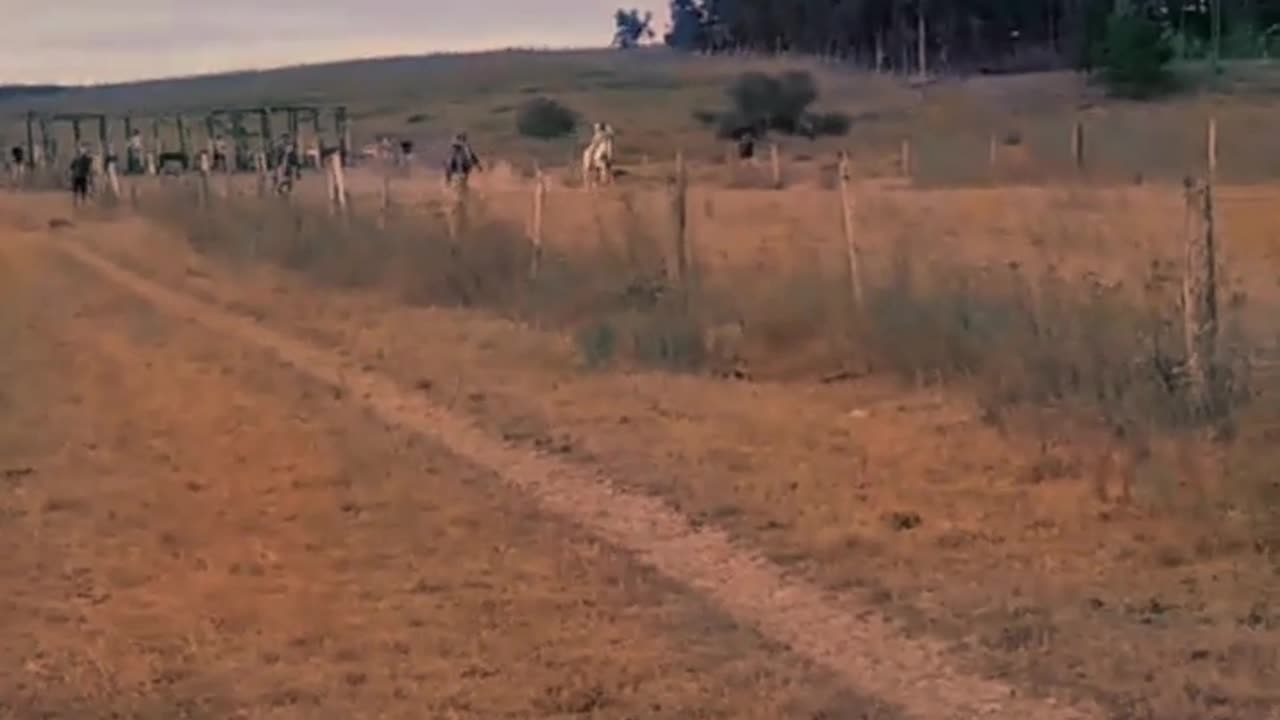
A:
[597,159]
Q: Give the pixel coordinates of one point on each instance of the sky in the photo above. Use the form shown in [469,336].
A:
[101,41]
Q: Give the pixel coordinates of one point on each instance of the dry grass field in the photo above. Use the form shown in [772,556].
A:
[989,452]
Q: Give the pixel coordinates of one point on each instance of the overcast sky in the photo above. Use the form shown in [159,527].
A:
[92,41]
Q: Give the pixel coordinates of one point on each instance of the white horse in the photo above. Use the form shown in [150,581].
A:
[597,159]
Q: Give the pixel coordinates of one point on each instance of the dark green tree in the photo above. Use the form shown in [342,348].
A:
[630,28]
[1136,55]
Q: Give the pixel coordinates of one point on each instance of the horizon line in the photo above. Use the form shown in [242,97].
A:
[247,70]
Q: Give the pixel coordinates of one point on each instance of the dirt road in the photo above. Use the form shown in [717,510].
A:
[189,528]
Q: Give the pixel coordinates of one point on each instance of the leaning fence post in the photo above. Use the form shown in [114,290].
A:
[535,228]
[1200,295]
[850,241]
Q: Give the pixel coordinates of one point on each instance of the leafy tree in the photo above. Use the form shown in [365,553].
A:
[962,35]
[631,28]
[1136,56]
[688,30]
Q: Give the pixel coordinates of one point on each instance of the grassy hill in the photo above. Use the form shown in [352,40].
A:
[652,95]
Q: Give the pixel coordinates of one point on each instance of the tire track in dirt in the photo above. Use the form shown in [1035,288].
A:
[850,638]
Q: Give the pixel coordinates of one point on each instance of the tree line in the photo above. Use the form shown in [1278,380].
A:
[968,35]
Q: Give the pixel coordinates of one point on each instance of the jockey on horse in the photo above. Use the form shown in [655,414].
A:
[597,159]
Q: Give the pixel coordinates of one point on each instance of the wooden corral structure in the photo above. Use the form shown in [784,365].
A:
[48,140]
[296,118]
[43,147]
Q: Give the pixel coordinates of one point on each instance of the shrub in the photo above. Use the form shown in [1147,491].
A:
[1135,57]
[545,119]
[778,103]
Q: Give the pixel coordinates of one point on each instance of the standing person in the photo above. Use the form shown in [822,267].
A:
[81,173]
[18,157]
[462,160]
[220,158]
[287,168]
[134,154]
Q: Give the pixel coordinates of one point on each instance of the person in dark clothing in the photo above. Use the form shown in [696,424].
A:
[746,139]
[81,172]
[462,160]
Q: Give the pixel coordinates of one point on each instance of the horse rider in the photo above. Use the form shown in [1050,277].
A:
[462,160]
[598,156]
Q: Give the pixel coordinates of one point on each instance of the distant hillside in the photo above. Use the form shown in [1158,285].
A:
[10,92]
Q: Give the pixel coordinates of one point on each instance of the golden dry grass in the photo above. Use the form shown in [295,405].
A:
[190,530]
[1041,549]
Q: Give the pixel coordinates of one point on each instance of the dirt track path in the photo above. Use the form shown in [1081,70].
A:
[856,643]
[190,529]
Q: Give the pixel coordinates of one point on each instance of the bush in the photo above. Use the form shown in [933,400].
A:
[777,103]
[1135,57]
[764,102]
[545,119]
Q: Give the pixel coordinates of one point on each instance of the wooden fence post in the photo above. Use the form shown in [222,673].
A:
[535,228]
[1200,295]
[203,160]
[338,183]
[113,179]
[1077,145]
[31,140]
[775,162]
[384,196]
[681,212]
[1212,148]
[850,241]
[229,166]
[260,166]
